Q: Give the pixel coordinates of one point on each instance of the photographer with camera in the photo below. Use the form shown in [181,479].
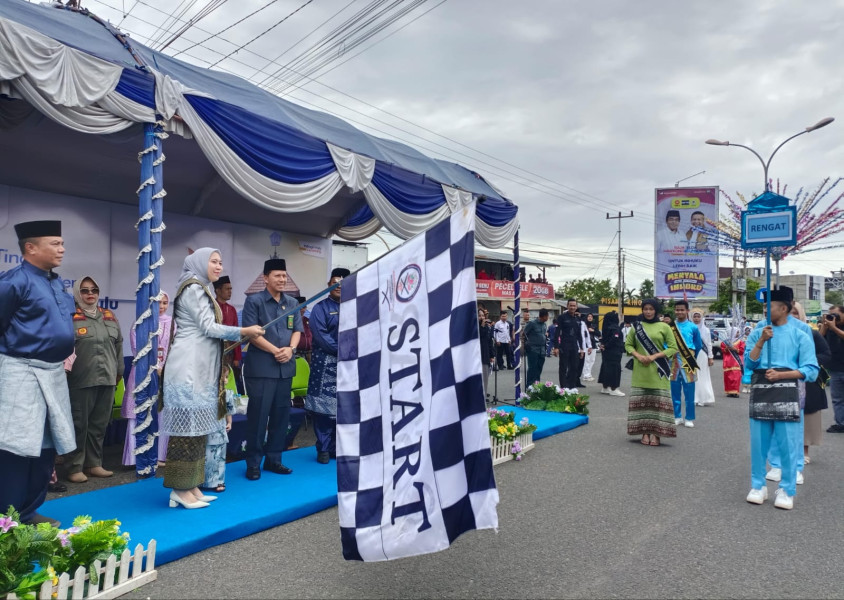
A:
[832,329]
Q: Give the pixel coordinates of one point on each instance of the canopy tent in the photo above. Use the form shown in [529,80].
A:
[300,170]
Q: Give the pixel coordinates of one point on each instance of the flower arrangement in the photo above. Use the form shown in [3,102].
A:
[553,398]
[32,554]
[502,425]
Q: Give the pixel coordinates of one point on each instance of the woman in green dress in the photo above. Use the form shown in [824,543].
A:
[651,343]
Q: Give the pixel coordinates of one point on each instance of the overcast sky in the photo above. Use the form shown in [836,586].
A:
[601,101]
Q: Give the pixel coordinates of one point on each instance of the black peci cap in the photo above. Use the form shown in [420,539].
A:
[274,264]
[34,229]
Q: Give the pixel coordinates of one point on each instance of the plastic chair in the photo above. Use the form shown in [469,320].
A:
[299,387]
[118,399]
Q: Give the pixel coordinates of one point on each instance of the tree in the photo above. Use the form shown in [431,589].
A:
[725,298]
[835,297]
[646,290]
[587,291]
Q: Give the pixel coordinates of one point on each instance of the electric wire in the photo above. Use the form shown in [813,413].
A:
[225,29]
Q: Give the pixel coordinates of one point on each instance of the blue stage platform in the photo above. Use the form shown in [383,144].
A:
[246,507]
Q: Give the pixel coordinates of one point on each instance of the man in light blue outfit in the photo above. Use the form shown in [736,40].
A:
[683,376]
[791,349]
[775,474]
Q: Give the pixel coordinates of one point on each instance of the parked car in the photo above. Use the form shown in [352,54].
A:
[719,328]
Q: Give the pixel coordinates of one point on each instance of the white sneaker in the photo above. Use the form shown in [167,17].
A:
[605,390]
[678,421]
[774,475]
[799,478]
[758,496]
[783,500]
[617,393]
[689,423]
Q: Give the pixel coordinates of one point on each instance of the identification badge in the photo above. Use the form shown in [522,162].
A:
[290,321]
[82,331]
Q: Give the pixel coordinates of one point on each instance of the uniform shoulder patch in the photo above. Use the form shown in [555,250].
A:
[79,315]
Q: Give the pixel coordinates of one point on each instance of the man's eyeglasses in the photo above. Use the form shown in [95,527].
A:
[89,290]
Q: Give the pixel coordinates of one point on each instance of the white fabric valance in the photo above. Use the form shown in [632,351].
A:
[356,170]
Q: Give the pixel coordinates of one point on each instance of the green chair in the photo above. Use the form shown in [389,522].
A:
[299,387]
[230,383]
[118,399]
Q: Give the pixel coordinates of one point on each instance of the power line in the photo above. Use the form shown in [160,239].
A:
[238,22]
[263,33]
[211,7]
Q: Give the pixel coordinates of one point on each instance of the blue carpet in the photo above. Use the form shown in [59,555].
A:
[246,507]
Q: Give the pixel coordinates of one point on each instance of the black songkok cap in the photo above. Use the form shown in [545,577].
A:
[340,272]
[672,213]
[274,264]
[35,229]
[782,294]
[222,281]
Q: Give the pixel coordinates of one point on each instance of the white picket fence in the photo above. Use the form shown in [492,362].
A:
[114,580]
[502,450]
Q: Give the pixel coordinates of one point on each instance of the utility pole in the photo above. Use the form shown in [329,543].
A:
[620,265]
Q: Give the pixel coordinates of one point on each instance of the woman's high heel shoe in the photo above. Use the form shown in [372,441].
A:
[175,500]
[204,498]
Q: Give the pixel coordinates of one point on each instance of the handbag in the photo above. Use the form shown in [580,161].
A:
[774,400]
[629,365]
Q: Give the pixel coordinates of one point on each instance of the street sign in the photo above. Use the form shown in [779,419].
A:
[769,221]
[766,229]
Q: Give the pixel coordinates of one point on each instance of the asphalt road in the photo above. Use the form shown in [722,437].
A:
[590,513]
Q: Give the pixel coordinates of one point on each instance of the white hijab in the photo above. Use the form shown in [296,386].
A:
[705,335]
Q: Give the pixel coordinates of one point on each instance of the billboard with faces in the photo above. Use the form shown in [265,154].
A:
[685,244]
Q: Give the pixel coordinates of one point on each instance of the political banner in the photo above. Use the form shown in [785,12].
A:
[496,288]
[685,244]
[414,466]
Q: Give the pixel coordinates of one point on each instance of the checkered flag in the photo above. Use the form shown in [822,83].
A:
[414,468]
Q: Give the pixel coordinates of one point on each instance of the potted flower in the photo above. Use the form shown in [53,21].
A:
[553,398]
[508,439]
[34,558]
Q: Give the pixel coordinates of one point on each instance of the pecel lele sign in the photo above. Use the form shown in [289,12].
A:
[769,221]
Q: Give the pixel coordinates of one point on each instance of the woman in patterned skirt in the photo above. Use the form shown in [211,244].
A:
[651,343]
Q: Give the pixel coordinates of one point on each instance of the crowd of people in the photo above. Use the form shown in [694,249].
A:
[57,391]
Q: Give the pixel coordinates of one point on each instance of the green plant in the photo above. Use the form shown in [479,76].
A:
[502,424]
[553,398]
[88,541]
[25,553]
[32,554]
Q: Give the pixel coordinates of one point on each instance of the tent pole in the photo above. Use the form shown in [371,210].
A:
[150,203]
[517,319]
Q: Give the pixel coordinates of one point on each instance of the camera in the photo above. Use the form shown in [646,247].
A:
[831,317]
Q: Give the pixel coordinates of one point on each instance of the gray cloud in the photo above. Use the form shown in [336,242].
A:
[612,98]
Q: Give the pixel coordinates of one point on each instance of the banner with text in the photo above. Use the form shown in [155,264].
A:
[685,244]
[414,467]
[494,288]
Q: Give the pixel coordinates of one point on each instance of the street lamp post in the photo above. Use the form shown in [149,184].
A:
[766,165]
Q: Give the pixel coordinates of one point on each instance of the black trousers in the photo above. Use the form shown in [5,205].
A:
[502,351]
[570,367]
[267,416]
[25,480]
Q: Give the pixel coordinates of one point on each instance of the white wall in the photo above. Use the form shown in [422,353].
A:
[102,242]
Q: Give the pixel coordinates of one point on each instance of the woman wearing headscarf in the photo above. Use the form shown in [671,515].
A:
[732,360]
[127,410]
[612,349]
[91,379]
[704,394]
[651,343]
[193,377]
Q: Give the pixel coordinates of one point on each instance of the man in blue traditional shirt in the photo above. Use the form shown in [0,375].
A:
[321,400]
[36,335]
[683,365]
[792,356]
[269,368]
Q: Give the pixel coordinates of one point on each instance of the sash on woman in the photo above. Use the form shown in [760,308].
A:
[663,367]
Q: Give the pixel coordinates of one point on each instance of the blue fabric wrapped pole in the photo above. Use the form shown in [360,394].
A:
[146,304]
[517,358]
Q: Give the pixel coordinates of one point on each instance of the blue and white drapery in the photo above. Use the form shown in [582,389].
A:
[280,156]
